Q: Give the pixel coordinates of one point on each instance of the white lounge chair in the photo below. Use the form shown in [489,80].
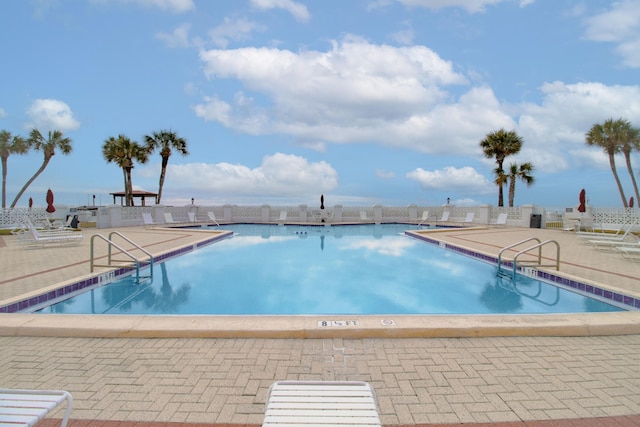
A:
[425,217]
[502,219]
[26,407]
[445,216]
[600,234]
[168,218]
[212,217]
[33,238]
[610,239]
[321,403]
[30,237]
[192,216]
[364,217]
[283,217]
[469,217]
[631,251]
[57,225]
[147,219]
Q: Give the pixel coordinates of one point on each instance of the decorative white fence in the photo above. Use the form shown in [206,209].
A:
[523,216]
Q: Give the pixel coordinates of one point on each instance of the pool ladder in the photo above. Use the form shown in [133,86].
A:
[530,263]
[132,261]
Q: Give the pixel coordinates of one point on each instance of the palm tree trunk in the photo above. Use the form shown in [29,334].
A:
[612,163]
[627,157]
[163,171]
[500,193]
[4,182]
[512,191]
[129,189]
[126,185]
[33,178]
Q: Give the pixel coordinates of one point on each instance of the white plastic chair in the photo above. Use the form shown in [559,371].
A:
[321,403]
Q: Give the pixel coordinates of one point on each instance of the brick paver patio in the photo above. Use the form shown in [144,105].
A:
[122,382]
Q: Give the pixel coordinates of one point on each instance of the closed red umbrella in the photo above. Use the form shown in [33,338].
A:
[631,202]
[50,207]
[583,205]
[30,202]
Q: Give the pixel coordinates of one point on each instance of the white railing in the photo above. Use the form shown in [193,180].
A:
[522,216]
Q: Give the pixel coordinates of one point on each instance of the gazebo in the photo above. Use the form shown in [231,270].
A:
[136,194]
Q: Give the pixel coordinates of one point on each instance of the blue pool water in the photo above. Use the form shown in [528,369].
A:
[362,269]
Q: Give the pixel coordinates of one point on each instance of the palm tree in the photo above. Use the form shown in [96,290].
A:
[500,144]
[608,136]
[165,140]
[9,145]
[123,152]
[522,172]
[55,140]
[630,141]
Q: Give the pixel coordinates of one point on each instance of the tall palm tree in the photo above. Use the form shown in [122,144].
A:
[9,145]
[55,141]
[165,141]
[630,141]
[521,172]
[608,136]
[500,144]
[123,152]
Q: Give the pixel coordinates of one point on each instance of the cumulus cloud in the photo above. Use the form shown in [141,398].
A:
[471,6]
[356,91]
[179,37]
[2,113]
[174,6]
[298,10]
[279,175]
[385,174]
[465,180]
[400,97]
[554,131]
[237,29]
[619,25]
[50,114]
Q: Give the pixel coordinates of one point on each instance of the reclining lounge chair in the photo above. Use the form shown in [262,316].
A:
[22,408]
[321,403]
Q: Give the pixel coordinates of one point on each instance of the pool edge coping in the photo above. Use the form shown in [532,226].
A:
[299,326]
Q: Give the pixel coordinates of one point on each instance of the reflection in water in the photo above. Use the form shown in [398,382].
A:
[128,296]
[362,270]
[499,299]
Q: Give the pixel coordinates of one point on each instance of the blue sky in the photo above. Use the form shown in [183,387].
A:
[364,101]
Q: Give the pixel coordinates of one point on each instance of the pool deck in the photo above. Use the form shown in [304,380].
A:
[518,370]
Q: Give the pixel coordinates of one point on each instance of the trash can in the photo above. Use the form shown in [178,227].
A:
[74,221]
[535,221]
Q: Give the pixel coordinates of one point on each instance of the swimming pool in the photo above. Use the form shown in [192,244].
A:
[295,270]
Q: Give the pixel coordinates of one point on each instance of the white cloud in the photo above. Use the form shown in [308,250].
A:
[298,10]
[385,174]
[233,29]
[465,180]
[619,25]
[174,6]
[400,97]
[179,37]
[2,113]
[355,91]
[471,6]
[50,114]
[558,125]
[404,37]
[279,175]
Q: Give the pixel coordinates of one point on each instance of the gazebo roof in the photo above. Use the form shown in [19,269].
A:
[135,193]
[139,194]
